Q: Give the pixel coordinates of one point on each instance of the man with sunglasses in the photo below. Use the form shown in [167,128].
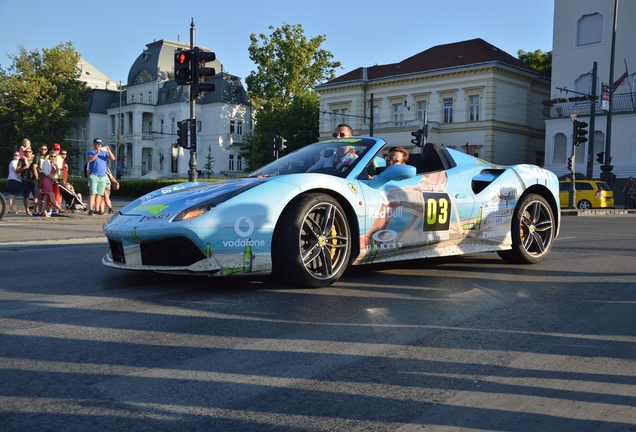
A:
[332,161]
[36,166]
[97,165]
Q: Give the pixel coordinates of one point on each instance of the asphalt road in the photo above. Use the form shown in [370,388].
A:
[465,343]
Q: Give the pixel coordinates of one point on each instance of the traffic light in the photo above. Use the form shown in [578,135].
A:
[418,138]
[280,143]
[182,133]
[600,157]
[182,66]
[200,72]
[580,132]
[570,160]
[271,148]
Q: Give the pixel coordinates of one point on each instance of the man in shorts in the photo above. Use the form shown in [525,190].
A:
[97,164]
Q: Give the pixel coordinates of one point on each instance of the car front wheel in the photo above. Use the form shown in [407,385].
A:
[533,229]
[313,243]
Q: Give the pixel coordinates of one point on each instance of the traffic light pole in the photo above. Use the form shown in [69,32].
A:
[192,173]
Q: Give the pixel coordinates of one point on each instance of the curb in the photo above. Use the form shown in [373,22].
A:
[598,212]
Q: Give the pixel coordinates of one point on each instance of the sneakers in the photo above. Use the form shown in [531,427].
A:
[110,210]
[100,213]
[90,213]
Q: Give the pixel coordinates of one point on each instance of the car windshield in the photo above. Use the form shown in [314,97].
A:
[336,157]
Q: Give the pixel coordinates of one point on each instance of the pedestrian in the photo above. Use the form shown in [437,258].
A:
[26,144]
[97,164]
[36,166]
[27,174]
[59,169]
[626,191]
[64,178]
[14,182]
[49,169]
[111,183]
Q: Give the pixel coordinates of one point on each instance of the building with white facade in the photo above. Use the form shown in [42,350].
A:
[474,96]
[143,119]
[583,35]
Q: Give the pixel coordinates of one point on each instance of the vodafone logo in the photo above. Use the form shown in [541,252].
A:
[244,226]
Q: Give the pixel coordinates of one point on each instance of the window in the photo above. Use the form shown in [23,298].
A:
[421,110]
[589,29]
[560,146]
[161,125]
[448,110]
[231,163]
[397,112]
[231,126]
[173,130]
[473,108]
[335,119]
[340,116]
[376,113]
[239,163]
[344,116]
[239,128]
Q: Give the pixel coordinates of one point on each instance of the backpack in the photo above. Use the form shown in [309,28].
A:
[27,174]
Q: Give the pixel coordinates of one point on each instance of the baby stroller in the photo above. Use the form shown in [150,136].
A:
[73,202]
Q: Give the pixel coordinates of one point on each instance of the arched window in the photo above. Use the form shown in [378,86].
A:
[142,77]
[589,29]
[560,145]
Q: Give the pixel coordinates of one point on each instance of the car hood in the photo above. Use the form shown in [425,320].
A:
[184,195]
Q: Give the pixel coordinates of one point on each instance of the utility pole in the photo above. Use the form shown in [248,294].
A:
[606,168]
[590,143]
[192,173]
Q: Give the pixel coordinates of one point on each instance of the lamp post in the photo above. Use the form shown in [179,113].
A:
[119,138]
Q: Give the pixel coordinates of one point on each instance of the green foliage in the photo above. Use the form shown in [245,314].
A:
[538,60]
[289,66]
[297,123]
[41,96]
[209,163]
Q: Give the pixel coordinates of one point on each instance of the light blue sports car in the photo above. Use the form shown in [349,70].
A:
[307,216]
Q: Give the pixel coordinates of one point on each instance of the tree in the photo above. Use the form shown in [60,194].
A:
[289,66]
[538,60]
[209,163]
[42,99]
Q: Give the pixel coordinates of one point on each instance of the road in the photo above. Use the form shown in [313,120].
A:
[465,343]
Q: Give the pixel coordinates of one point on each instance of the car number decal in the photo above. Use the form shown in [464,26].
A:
[437,209]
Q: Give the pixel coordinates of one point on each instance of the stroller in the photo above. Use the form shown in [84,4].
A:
[73,202]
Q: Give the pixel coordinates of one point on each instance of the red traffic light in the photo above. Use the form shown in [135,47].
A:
[182,64]
[182,58]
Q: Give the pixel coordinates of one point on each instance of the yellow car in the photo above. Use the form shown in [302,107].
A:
[589,194]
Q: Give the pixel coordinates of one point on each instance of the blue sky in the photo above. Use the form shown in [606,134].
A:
[110,35]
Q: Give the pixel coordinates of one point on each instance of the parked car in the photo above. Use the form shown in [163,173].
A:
[589,194]
[305,221]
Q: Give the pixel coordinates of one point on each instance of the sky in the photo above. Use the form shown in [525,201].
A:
[111,35]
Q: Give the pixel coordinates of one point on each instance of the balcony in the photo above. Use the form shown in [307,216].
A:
[562,107]
[404,124]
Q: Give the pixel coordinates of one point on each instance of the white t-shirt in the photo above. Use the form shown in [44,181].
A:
[12,174]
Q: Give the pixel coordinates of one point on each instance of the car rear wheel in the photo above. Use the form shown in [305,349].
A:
[533,229]
[312,244]
[585,205]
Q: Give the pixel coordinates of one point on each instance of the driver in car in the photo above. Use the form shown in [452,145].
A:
[333,161]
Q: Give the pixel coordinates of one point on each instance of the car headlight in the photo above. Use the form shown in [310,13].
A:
[205,206]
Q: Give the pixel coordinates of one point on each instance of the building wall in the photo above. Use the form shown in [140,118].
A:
[572,62]
[507,130]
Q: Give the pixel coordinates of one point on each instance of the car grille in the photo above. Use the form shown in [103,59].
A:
[178,251]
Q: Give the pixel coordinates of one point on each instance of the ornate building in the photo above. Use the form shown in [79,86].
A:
[143,117]
[474,96]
